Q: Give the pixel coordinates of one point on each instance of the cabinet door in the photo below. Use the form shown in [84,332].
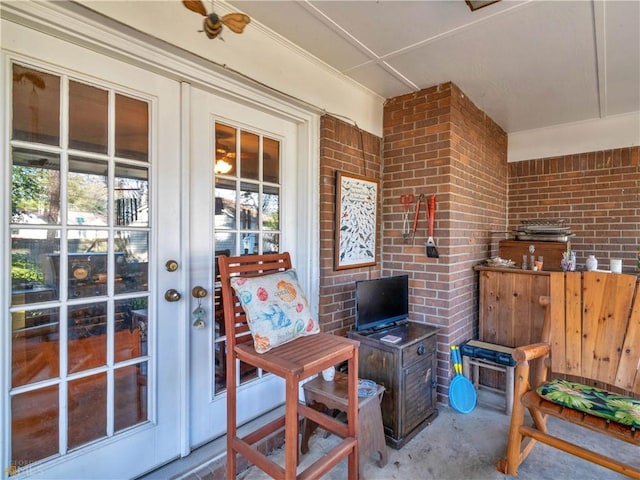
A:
[381,366]
[418,399]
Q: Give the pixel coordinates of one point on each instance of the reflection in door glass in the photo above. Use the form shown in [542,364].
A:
[35,345]
[87,399]
[131,261]
[87,336]
[271,160]
[271,243]
[271,208]
[249,151]
[249,206]
[32,280]
[226,151]
[35,106]
[88,263]
[246,215]
[79,264]
[131,334]
[132,128]
[35,187]
[34,421]
[87,192]
[88,117]
[131,396]
[131,195]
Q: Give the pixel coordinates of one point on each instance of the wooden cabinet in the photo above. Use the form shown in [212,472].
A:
[509,312]
[407,370]
[550,251]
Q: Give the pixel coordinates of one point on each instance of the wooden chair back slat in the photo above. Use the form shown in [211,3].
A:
[595,329]
[249,266]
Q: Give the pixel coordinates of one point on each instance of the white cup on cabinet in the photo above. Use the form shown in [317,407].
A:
[616,265]
[329,374]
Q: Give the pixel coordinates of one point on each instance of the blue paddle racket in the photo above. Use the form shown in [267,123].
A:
[462,393]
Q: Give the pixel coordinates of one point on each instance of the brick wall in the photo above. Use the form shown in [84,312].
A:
[598,193]
[343,147]
[438,142]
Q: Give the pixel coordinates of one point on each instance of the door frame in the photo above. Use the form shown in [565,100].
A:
[81,26]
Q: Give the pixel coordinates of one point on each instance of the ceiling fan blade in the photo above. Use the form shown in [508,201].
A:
[195,6]
[236,21]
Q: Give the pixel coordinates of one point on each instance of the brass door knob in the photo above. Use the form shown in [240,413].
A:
[172,295]
[198,292]
[171,265]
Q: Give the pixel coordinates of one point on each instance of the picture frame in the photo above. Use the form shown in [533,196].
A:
[356,228]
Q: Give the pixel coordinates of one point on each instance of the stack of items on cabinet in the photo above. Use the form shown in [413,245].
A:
[538,245]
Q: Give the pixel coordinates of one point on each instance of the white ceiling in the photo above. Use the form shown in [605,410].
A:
[527,64]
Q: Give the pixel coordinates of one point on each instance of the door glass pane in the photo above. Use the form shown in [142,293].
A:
[271,160]
[271,208]
[226,241]
[249,148]
[250,243]
[132,128]
[88,117]
[249,206]
[35,348]
[225,154]
[35,187]
[36,106]
[34,421]
[225,204]
[87,334]
[87,192]
[131,195]
[32,280]
[88,260]
[131,333]
[270,243]
[131,261]
[130,396]
[87,398]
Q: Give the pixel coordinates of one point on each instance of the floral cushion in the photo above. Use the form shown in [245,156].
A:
[276,307]
[592,400]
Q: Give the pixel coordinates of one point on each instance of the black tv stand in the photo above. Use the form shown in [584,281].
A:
[407,369]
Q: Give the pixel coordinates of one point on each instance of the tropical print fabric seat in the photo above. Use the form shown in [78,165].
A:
[595,401]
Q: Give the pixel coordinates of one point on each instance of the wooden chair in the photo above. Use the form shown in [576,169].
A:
[591,335]
[293,361]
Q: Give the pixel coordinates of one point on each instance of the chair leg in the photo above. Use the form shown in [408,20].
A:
[515,455]
[352,414]
[231,419]
[291,430]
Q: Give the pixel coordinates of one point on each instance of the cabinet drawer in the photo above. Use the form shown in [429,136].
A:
[418,351]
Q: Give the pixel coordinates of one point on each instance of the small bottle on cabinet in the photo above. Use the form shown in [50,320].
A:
[591,263]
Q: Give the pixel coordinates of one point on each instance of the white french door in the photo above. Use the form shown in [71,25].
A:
[244,170]
[91,215]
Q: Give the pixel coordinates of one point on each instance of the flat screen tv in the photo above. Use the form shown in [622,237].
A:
[381,301]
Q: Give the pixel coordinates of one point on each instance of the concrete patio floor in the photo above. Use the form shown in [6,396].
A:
[467,446]
[455,446]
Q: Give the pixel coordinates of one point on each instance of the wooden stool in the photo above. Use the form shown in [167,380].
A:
[323,395]
[477,363]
